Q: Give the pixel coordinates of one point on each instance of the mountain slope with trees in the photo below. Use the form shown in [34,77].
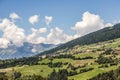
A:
[105,34]
[87,62]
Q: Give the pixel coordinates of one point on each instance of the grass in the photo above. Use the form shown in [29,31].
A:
[63,60]
[90,74]
[35,69]
[44,61]
[82,55]
[42,70]
[82,62]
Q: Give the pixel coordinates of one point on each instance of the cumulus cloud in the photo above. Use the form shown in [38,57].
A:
[34,19]
[11,32]
[48,19]
[90,22]
[112,23]
[57,36]
[14,35]
[35,36]
[4,43]
[14,16]
[4,23]
[109,24]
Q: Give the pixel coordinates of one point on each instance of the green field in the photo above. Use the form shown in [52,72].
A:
[92,54]
[56,60]
[90,74]
[35,69]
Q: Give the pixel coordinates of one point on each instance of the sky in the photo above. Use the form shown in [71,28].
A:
[53,21]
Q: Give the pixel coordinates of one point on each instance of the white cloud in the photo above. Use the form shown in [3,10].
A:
[112,23]
[42,30]
[57,36]
[90,22]
[109,24]
[48,19]
[35,36]
[34,19]
[12,32]
[4,43]
[14,16]
[4,23]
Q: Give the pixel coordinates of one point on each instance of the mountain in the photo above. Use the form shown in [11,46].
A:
[28,49]
[104,34]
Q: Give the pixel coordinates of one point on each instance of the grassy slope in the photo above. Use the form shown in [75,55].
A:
[90,74]
[94,55]
[56,60]
[36,69]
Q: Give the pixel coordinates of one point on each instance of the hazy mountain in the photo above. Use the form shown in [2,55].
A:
[28,49]
[104,34]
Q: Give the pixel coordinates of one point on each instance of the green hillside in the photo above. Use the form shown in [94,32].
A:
[81,62]
[105,34]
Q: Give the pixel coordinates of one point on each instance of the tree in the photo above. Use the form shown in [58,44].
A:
[60,75]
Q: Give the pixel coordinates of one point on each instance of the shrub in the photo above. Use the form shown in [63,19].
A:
[85,70]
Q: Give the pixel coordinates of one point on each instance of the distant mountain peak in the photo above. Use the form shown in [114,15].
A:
[28,49]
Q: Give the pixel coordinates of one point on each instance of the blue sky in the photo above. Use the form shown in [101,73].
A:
[65,13]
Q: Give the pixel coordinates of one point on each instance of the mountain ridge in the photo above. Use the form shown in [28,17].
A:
[27,50]
[107,33]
